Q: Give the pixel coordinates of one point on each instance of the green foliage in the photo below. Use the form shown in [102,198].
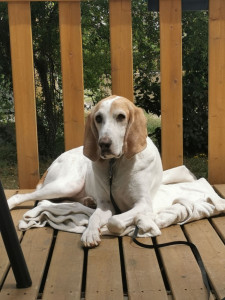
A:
[97,78]
[195,79]
[195,82]
[197,164]
[96,48]
[146,57]
[5,60]
[46,47]
[6,99]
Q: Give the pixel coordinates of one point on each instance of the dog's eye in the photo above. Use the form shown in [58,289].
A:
[98,119]
[120,117]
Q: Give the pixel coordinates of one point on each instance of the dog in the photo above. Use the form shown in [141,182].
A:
[115,129]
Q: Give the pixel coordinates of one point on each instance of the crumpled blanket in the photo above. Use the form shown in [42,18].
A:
[180,199]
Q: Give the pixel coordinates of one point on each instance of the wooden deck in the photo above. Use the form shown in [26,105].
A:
[118,269]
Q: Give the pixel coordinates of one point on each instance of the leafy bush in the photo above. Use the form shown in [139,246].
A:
[96,54]
[195,82]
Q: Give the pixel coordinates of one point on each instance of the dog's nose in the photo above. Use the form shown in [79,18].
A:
[105,143]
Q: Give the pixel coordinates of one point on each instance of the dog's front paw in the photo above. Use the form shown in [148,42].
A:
[115,225]
[91,237]
[146,224]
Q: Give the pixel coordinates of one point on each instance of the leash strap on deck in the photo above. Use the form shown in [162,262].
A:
[116,208]
[191,245]
[157,246]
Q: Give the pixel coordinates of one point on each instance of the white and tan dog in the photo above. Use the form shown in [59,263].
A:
[116,129]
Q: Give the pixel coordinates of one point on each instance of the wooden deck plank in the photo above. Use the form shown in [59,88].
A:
[24,93]
[220,189]
[72,71]
[219,225]
[10,193]
[121,48]
[104,280]
[171,82]
[67,259]
[35,245]
[144,279]
[219,222]
[4,261]
[181,268]
[212,251]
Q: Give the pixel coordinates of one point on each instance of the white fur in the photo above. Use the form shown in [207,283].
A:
[135,181]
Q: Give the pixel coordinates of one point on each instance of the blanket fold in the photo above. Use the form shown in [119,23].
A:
[181,198]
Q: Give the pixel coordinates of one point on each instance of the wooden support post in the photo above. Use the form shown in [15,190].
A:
[217,91]
[121,48]
[72,70]
[171,82]
[24,93]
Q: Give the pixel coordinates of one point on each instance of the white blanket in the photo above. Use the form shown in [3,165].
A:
[180,199]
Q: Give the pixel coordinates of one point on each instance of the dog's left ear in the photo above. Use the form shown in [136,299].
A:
[91,149]
[135,138]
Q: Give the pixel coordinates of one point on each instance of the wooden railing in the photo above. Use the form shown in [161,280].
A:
[122,79]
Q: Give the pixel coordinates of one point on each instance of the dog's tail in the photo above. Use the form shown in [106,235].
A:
[41,181]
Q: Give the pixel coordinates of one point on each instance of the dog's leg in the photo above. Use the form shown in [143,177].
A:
[52,190]
[140,215]
[91,236]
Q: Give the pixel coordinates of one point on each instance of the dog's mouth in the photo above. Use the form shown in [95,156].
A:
[109,155]
[107,149]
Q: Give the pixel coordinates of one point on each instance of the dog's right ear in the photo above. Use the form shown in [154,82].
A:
[91,149]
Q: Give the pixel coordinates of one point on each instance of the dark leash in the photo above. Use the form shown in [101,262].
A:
[157,246]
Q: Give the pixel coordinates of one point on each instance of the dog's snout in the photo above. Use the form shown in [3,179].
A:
[105,143]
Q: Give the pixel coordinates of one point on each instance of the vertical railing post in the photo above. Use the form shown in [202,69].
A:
[121,48]
[217,91]
[72,71]
[171,82]
[24,93]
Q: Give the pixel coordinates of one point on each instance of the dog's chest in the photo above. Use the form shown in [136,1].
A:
[97,184]
[123,190]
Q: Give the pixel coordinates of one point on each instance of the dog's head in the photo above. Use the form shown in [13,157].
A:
[113,128]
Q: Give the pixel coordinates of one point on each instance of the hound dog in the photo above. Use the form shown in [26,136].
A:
[115,129]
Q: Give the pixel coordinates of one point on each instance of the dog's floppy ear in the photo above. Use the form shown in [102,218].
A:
[91,149]
[135,138]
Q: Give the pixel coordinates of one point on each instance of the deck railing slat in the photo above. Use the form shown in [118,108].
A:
[171,82]
[217,91]
[121,48]
[24,93]
[72,71]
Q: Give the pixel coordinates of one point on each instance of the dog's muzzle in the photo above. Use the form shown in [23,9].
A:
[105,144]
